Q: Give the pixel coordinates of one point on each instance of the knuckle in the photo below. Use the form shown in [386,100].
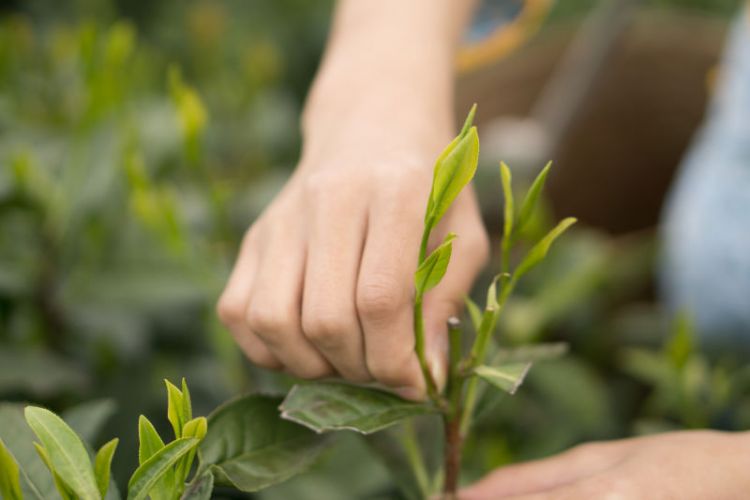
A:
[264,360]
[230,310]
[266,323]
[379,298]
[324,329]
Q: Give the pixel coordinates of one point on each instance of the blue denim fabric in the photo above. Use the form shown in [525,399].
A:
[706,226]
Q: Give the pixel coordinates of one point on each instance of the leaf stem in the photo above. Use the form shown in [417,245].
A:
[419,348]
[414,457]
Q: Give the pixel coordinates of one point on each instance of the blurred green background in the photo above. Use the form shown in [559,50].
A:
[138,140]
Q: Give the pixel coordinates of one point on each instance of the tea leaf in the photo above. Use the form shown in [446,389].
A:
[36,482]
[250,447]
[103,465]
[506,377]
[155,468]
[433,268]
[330,406]
[176,412]
[505,176]
[10,478]
[150,443]
[66,452]
[531,198]
[200,488]
[149,439]
[195,428]
[469,122]
[539,251]
[65,492]
[453,171]
[474,312]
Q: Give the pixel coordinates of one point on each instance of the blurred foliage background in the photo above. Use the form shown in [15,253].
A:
[138,140]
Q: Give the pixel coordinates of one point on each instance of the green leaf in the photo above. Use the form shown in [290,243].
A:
[505,176]
[530,353]
[200,488]
[176,413]
[150,443]
[532,198]
[539,251]
[149,439]
[10,477]
[679,347]
[454,169]
[330,406]
[36,481]
[67,454]
[195,428]
[506,377]
[103,465]
[474,312]
[250,447]
[154,469]
[469,122]
[187,404]
[65,492]
[433,268]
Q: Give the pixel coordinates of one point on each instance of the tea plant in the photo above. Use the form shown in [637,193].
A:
[258,440]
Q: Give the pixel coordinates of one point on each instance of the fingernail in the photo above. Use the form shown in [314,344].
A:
[436,363]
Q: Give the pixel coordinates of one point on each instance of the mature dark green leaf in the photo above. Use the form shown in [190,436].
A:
[539,251]
[103,465]
[66,451]
[10,478]
[148,474]
[250,447]
[200,488]
[433,268]
[329,406]
[507,377]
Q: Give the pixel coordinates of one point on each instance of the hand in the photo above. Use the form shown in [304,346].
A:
[679,465]
[323,283]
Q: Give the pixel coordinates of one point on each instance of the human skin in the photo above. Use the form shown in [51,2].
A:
[689,465]
[323,282]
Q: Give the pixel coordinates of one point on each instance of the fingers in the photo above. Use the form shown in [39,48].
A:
[385,290]
[538,477]
[273,311]
[232,307]
[329,314]
[470,254]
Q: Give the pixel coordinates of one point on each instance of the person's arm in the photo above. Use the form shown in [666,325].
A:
[690,465]
[323,281]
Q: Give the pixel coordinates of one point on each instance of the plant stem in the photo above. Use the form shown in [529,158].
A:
[419,343]
[414,456]
[452,454]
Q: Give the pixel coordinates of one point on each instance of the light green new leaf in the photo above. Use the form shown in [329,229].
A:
[532,198]
[454,169]
[506,377]
[176,413]
[474,312]
[469,122]
[505,177]
[66,452]
[10,477]
[249,446]
[187,404]
[149,440]
[330,406]
[200,488]
[433,268]
[150,443]
[65,492]
[36,481]
[195,428]
[103,465]
[154,469]
[539,251]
